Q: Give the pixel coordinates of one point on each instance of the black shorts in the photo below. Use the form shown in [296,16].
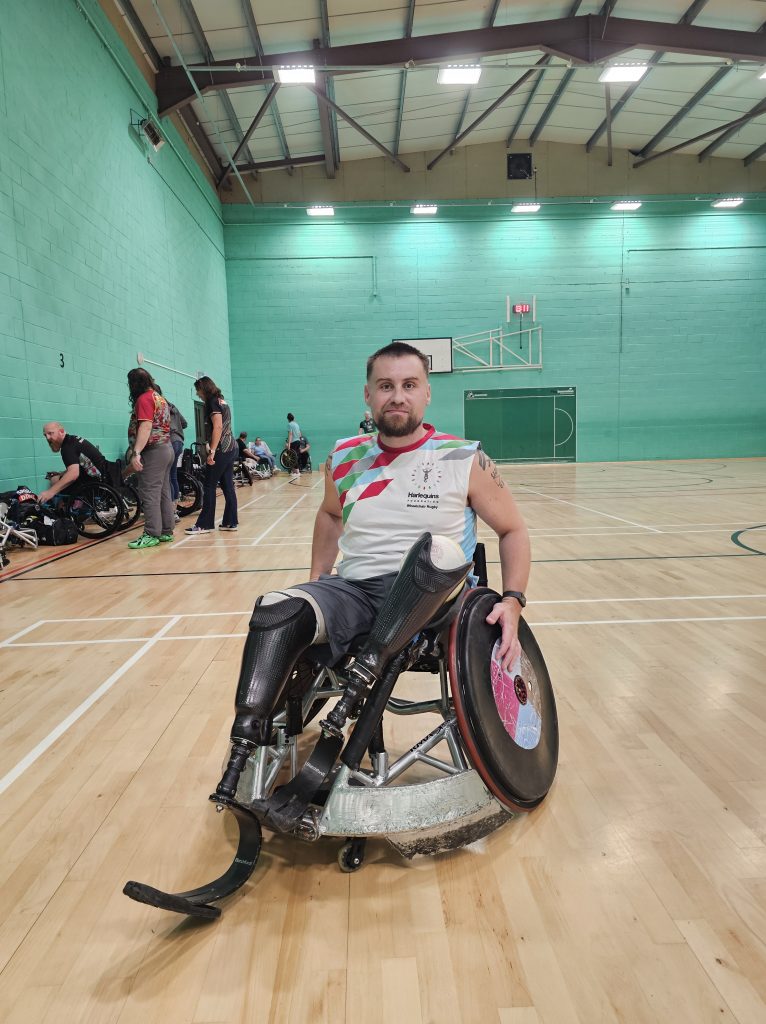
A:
[349,607]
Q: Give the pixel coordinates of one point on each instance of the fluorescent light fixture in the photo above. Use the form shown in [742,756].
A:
[320,211]
[730,203]
[424,209]
[295,74]
[629,72]
[525,208]
[459,74]
[626,204]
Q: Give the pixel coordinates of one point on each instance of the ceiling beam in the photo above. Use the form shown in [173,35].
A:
[327,82]
[754,155]
[137,26]
[325,127]
[699,95]
[686,19]
[275,165]
[753,112]
[501,99]
[255,39]
[584,39]
[355,124]
[469,92]
[536,84]
[553,102]
[403,79]
[204,144]
[756,111]
[246,137]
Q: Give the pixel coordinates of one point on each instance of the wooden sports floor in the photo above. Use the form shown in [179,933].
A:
[635,893]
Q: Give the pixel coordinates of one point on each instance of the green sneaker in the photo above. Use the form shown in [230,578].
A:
[165,537]
[144,541]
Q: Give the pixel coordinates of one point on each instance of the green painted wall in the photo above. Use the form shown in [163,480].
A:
[658,318]
[106,248]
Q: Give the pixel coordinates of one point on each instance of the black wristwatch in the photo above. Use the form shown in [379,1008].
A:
[518,595]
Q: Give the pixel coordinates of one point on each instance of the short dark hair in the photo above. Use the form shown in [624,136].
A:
[290,417]
[397,349]
[243,435]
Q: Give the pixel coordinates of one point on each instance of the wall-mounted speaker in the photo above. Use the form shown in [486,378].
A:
[519,166]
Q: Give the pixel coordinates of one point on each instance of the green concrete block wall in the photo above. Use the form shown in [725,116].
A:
[107,248]
[658,318]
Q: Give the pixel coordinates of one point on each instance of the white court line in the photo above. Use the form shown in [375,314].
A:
[21,632]
[278,521]
[623,622]
[628,600]
[18,770]
[587,509]
[626,533]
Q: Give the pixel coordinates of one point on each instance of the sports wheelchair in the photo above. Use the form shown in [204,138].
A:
[494,753]
[289,460]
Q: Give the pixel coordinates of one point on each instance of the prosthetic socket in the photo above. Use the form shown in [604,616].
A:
[418,592]
[279,633]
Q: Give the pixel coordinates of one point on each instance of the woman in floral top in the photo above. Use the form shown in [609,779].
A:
[151,456]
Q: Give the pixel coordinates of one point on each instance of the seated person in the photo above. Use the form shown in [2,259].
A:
[244,450]
[303,453]
[83,462]
[262,450]
[382,492]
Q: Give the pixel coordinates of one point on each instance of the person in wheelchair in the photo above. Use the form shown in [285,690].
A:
[385,494]
[83,462]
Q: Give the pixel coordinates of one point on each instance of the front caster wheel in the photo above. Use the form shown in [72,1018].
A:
[351,855]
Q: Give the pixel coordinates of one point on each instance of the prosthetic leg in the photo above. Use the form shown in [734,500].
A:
[428,577]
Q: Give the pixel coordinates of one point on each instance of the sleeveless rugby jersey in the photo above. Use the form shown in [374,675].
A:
[390,496]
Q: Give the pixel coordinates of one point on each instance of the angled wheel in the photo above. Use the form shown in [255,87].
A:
[131,505]
[190,499]
[288,460]
[98,511]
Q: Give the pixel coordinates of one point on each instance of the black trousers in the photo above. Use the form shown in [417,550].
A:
[222,471]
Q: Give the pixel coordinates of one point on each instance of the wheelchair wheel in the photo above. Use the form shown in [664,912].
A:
[245,474]
[131,505]
[190,498]
[262,470]
[507,720]
[288,460]
[98,511]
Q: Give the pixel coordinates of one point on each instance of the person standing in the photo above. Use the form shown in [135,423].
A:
[293,439]
[151,456]
[222,454]
[367,425]
[177,426]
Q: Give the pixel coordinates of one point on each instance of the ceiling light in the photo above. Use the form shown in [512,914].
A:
[459,74]
[630,72]
[729,203]
[295,74]
[525,208]
[424,209]
[626,204]
[321,211]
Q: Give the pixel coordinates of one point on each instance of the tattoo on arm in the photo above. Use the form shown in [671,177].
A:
[488,464]
[328,464]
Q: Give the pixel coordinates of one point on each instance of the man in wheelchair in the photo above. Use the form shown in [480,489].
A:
[381,493]
[401,507]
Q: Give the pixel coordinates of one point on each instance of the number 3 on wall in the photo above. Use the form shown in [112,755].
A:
[61,358]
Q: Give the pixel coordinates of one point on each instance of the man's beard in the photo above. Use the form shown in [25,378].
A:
[396,426]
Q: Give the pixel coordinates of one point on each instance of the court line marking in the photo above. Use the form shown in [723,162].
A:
[534,625]
[278,521]
[22,632]
[26,762]
[587,509]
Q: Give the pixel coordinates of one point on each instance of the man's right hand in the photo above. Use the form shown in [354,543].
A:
[45,496]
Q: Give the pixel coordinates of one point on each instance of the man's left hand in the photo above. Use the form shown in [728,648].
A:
[136,464]
[44,496]
[507,614]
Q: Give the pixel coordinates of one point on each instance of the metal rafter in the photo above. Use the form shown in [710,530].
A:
[355,124]
[553,102]
[686,19]
[475,124]
[467,101]
[246,137]
[753,112]
[754,155]
[194,24]
[204,144]
[403,78]
[584,39]
[138,27]
[273,165]
[699,95]
[255,40]
[756,111]
[536,84]
[329,87]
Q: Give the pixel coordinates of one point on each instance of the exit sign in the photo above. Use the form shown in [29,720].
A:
[521,307]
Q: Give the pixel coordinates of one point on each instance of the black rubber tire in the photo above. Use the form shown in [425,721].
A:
[288,460]
[99,513]
[131,505]
[190,499]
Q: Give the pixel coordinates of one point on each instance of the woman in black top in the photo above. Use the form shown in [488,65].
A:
[222,454]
